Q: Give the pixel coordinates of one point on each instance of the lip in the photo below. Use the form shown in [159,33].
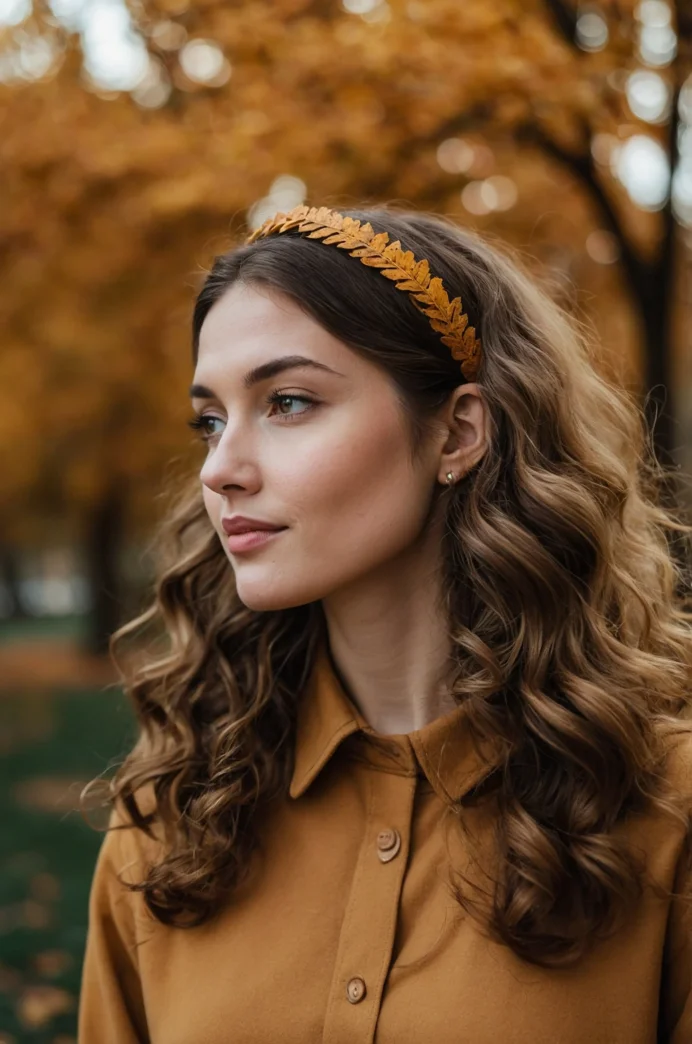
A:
[254,538]
[243,524]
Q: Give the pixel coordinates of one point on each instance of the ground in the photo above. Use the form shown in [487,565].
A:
[63,720]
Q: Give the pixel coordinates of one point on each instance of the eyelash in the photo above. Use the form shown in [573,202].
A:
[198,421]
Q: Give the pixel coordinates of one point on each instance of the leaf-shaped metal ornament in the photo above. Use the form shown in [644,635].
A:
[400,266]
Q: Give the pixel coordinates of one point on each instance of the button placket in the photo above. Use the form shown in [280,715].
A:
[368,930]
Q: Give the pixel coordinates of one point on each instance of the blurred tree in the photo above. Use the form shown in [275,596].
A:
[476,111]
[650,273]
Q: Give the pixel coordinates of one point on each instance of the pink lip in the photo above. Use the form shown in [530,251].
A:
[254,538]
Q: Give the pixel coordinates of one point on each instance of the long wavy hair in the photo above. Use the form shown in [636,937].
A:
[567,608]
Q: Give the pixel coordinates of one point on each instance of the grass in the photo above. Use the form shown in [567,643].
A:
[47,853]
[37,627]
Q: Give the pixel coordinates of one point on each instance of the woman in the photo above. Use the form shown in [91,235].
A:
[414,764]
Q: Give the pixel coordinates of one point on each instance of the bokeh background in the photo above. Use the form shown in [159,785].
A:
[137,140]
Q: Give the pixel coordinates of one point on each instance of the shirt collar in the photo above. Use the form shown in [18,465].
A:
[443,749]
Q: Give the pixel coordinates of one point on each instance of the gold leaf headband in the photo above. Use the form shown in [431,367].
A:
[427,293]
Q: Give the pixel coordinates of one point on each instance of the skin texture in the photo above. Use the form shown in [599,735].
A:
[365,523]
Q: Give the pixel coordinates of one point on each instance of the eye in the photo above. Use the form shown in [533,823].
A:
[199,423]
[279,397]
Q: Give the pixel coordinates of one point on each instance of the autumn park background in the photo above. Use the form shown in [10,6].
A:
[138,138]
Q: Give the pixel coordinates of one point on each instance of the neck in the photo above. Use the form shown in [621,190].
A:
[388,637]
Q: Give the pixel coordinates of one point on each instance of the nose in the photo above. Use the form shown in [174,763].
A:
[228,468]
[221,479]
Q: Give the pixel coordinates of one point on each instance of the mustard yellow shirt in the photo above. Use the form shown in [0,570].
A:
[346,931]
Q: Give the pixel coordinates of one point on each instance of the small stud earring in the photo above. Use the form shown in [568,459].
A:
[450,478]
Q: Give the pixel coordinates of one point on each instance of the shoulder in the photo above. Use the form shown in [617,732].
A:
[666,832]
[678,765]
[660,828]
[126,847]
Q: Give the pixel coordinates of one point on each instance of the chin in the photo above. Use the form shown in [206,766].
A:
[269,597]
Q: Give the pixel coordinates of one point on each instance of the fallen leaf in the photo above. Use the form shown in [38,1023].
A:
[39,1004]
[45,887]
[51,963]
[48,793]
[10,981]
[34,915]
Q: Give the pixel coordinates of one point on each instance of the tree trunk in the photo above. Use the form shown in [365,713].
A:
[9,571]
[102,545]
[656,313]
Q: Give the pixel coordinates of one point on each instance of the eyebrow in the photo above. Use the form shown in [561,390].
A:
[265,371]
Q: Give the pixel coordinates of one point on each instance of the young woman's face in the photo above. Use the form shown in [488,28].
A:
[329,459]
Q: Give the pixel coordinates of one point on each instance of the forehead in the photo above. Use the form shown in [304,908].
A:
[249,327]
[250,317]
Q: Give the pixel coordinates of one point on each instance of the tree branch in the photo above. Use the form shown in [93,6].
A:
[565,19]
[683,11]
[474,118]
[581,165]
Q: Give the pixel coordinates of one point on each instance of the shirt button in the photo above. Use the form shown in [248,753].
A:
[388,844]
[355,990]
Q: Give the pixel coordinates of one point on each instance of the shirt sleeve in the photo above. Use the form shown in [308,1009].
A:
[111,1002]
[675,1004]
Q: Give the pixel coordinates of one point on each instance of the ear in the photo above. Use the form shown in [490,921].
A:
[466,419]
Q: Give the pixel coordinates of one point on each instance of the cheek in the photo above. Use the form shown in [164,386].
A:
[212,505]
[358,500]
[353,502]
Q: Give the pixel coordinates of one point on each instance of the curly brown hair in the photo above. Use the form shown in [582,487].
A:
[566,605]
